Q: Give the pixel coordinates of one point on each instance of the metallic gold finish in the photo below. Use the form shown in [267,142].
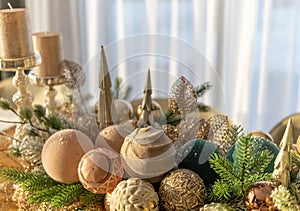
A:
[15,34]
[49,44]
[182,190]
[283,162]
[20,63]
[106,110]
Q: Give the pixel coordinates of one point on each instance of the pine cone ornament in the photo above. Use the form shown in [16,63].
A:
[133,195]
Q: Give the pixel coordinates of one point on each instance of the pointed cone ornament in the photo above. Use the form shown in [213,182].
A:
[106,108]
[104,77]
[282,164]
[147,106]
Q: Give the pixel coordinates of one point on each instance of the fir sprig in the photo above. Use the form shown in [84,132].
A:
[43,189]
[172,118]
[117,93]
[202,89]
[248,166]
[30,181]
[88,197]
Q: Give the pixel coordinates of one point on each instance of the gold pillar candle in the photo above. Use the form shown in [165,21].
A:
[15,34]
[49,44]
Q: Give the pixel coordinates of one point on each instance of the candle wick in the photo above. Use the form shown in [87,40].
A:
[10,7]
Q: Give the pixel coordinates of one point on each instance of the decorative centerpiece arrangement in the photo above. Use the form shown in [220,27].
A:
[120,158]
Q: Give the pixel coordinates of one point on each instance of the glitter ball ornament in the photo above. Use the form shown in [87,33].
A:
[182,190]
[100,170]
[134,195]
[219,132]
[260,145]
[62,152]
[148,153]
[258,196]
[112,137]
[194,155]
[171,131]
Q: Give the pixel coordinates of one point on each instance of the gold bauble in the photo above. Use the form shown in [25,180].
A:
[156,113]
[182,189]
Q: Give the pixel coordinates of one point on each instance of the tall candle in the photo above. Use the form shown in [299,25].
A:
[49,44]
[15,34]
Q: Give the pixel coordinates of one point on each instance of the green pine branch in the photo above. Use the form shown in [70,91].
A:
[248,166]
[223,167]
[88,197]
[43,189]
[28,180]
[68,194]
[117,93]
[295,158]
[172,118]
[202,89]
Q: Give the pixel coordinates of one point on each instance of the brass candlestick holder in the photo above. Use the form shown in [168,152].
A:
[23,97]
[49,83]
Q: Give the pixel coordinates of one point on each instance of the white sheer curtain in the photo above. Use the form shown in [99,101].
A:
[249,50]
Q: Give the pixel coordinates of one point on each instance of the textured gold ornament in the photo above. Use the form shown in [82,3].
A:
[283,162]
[107,114]
[134,195]
[182,190]
[204,130]
[171,131]
[182,97]
[219,132]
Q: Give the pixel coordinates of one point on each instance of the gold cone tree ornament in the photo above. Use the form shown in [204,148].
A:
[147,106]
[106,108]
[283,165]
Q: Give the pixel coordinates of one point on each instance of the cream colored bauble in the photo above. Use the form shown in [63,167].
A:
[112,137]
[134,194]
[148,153]
[62,152]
